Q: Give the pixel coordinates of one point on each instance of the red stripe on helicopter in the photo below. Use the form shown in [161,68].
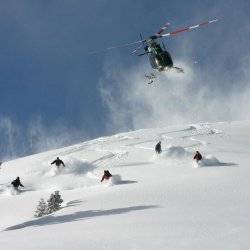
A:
[178,31]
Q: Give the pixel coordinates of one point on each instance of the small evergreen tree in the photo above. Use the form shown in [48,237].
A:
[41,208]
[54,202]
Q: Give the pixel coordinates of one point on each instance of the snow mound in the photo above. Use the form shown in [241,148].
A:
[204,129]
[72,166]
[114,180]
[78,167]
[73,175]
[211,161]
[176,152]
[10,190]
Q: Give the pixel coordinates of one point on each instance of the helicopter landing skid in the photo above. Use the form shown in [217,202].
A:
[177,69]
[151,77]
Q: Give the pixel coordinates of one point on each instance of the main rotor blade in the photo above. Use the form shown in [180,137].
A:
[117,46]
[176,32]
[166,25]
[138,48]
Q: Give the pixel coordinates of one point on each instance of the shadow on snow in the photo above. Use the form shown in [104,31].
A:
[52,219]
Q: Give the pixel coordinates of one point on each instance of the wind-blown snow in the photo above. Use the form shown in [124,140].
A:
[164,201]
[177,152]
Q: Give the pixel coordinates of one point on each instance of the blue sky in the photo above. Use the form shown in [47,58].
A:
[50,84]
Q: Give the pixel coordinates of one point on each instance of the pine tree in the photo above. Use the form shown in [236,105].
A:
[54,202]
[41,208]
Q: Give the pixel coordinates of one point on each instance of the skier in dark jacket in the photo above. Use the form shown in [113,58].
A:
[58,162]
[158,147]
[16,183]
[106,175]
[198,156]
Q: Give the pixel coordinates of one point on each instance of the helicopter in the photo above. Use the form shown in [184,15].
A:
[159,58]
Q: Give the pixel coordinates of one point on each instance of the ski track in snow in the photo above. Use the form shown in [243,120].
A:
[193,131]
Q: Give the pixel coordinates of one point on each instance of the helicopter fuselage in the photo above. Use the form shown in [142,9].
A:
[159,58]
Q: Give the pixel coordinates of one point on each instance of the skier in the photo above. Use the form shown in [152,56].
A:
[197,156]
[16,183]
[58,162]
[158,147]
[106,175]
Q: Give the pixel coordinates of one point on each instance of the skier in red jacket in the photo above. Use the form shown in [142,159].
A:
[106,175]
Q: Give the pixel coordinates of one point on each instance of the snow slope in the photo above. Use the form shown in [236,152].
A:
[162,201]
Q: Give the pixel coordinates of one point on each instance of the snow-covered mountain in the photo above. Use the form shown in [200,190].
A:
[164,201]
